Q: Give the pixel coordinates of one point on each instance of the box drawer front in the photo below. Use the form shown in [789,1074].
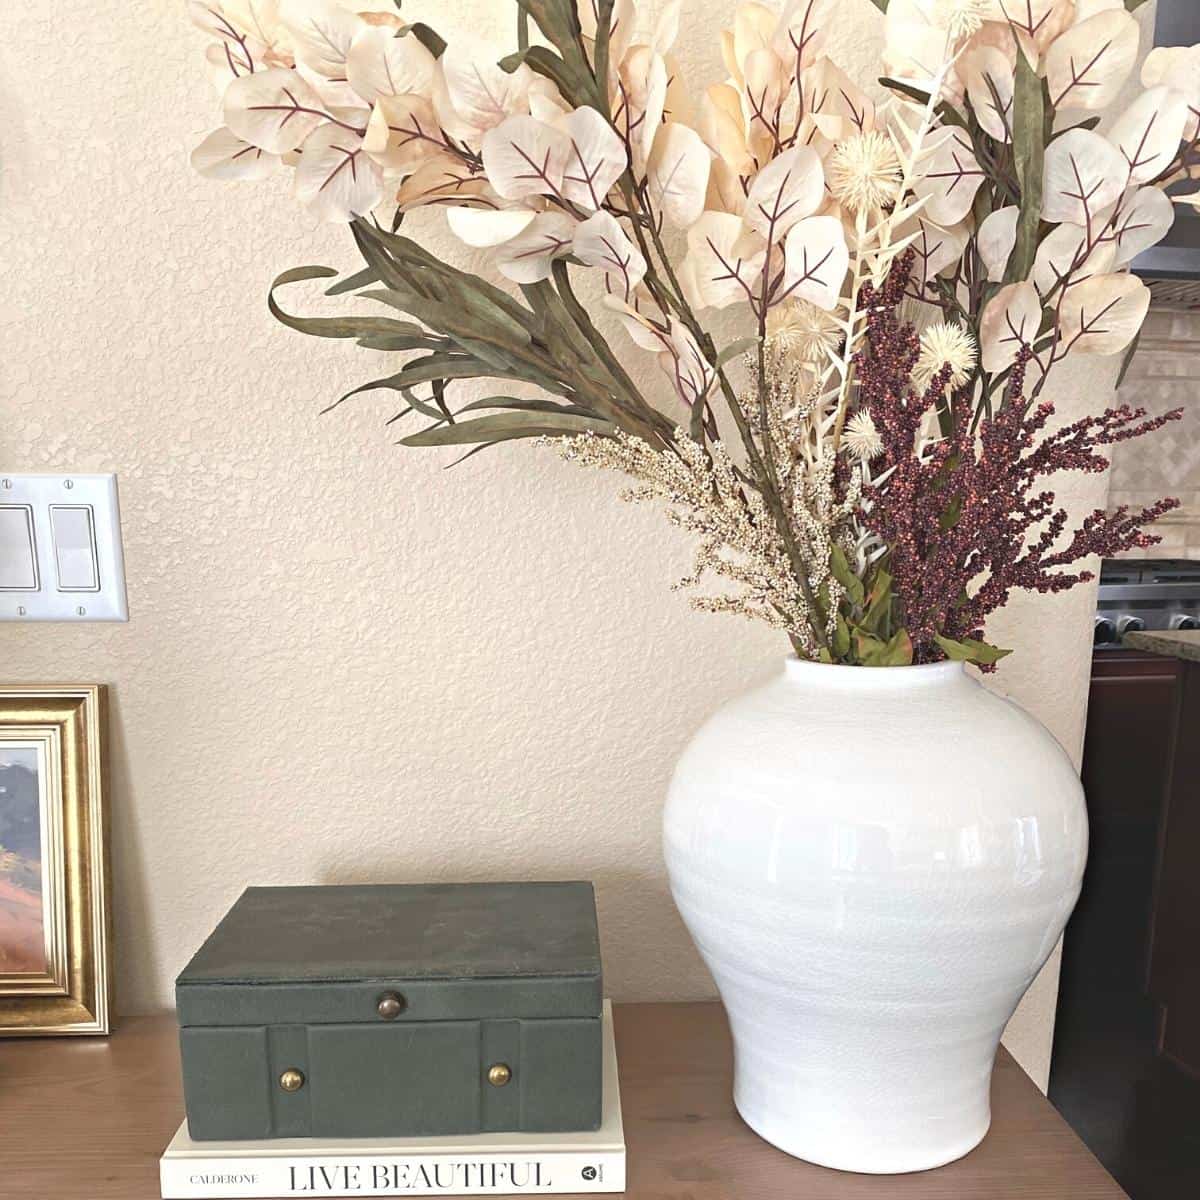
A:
[561,1067]
[369,1081]
[391,1080]
[226,1083]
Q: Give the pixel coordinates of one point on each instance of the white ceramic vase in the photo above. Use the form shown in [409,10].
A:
[874,863]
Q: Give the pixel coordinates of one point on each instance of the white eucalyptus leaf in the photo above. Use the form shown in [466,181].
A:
[723,128]
[403,132]
[1084,174]
[473,93]
[836,104]
[335,178]
[223,64]
[754,27]
[1037,22]
[209,17]
[334,93]
[595,161]
[914,46]
[788,189]
[546,102]
[486,227]
[991,86]
[381,64]
[529,257]
[1144,222]
[1149,131]
[666,27]
[224,155]
[600,242]
[1010,321]
[442,179]
[817,259]
[996,238]
[685,366]
[1171,66]
[274,110]
[321,33]
[1063,254]
[644,332]
[639,101]
[763,92]
[1104,315]
[800,35]
[936,248]
[725,192]
[948,179]
[1085,9]
[1086,66]
[249,38]
[259,19]
[678,174]
[724,263]
[1177,67]
[996,33]
[622,26]
[524,157]
[680,104]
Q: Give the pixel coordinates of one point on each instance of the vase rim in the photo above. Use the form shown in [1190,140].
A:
[874,678]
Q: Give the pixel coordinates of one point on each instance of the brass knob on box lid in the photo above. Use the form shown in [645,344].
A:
[291,1080]
[499,1074]
[390,1006]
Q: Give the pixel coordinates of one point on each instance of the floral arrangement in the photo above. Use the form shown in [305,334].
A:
[910,257]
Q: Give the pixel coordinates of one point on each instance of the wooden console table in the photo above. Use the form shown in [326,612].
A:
[86,1119]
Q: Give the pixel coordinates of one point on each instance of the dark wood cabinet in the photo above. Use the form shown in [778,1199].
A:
[1173,976]
[1129,1010]
[1132,711]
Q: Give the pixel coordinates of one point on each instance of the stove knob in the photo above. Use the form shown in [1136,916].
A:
[1128,624]
[1185,621]
[1105,632]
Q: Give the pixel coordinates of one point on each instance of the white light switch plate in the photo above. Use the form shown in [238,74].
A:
[74,568]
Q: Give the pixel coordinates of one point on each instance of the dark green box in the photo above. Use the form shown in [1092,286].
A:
[381,1011]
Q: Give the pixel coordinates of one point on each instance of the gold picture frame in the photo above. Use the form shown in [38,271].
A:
[55,882]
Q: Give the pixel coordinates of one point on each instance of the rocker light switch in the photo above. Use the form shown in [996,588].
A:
[18,557]
[75,547]
[60,548]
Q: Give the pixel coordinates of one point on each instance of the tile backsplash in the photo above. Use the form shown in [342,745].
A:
[1164,374]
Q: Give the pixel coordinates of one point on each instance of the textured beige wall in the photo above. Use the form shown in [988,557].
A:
[344,663]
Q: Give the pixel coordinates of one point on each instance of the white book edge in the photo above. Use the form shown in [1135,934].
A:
[488,1164]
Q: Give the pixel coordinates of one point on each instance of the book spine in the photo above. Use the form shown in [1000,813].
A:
[386,1175]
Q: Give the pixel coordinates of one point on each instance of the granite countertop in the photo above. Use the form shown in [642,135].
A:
[1180,643]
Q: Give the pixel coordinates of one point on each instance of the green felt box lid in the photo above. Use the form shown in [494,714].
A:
[452,951]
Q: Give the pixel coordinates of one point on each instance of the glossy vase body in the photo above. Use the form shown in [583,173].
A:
[874,863]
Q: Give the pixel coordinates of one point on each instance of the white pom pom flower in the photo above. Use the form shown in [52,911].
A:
[860,437]
[945,344]
[801,330]
[864,172]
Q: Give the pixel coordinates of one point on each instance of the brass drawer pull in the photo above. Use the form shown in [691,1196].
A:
[499,1074]
[291,1080]
[390,1006]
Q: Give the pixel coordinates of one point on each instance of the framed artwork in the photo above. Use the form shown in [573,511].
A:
[55,927]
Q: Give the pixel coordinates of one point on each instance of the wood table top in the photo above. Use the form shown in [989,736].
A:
[87,1118]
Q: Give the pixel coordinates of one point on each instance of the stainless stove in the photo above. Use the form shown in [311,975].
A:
[1149,593]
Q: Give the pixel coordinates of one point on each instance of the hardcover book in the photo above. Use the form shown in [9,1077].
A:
[489,1164]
